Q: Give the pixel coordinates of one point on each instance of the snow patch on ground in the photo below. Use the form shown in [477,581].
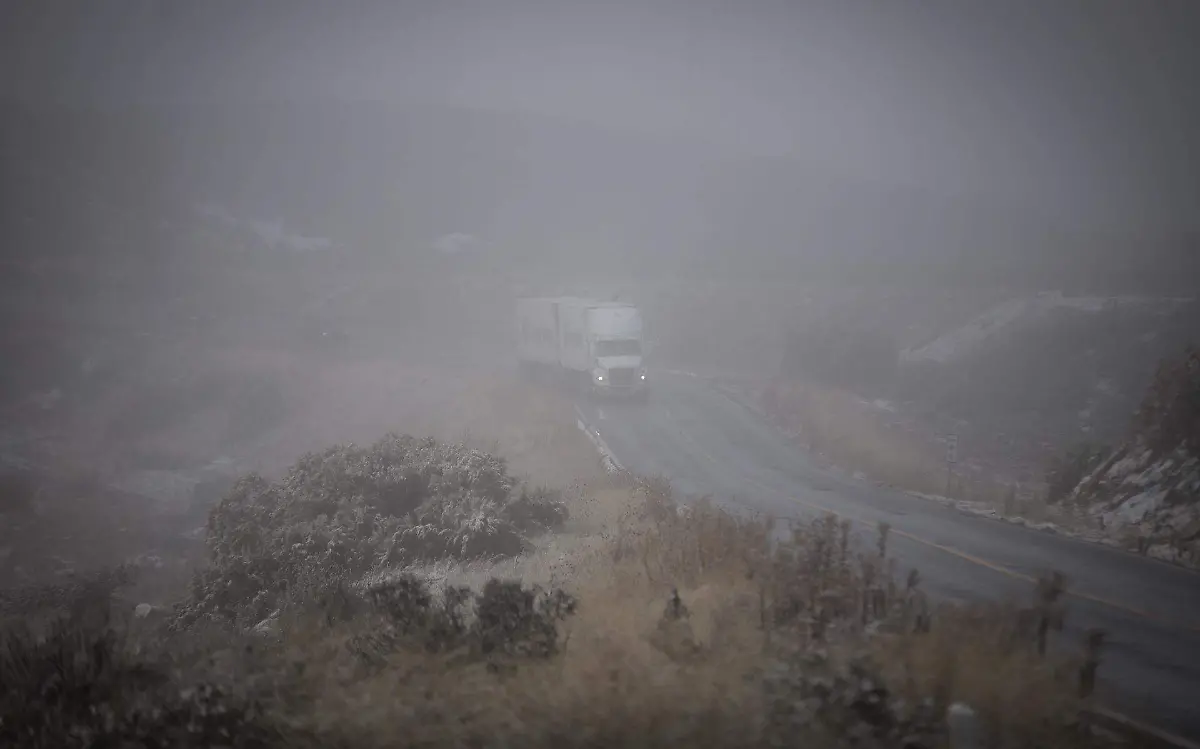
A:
[959,341]
[174,492]
[172,488]
[1147,500]
[954,343]
[981,509]
[1135,509]
[273,234]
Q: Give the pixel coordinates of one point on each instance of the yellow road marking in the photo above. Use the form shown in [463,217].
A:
[1110,716]
[996,567]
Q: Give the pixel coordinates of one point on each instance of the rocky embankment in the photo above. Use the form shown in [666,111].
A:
[1147,492]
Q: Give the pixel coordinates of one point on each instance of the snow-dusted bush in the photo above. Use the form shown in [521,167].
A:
[350,510]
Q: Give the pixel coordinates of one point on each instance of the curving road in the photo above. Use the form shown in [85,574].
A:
[706,443]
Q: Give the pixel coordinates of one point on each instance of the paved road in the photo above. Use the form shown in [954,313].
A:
[706,443]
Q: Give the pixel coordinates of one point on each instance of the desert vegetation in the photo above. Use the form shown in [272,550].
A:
[364,599]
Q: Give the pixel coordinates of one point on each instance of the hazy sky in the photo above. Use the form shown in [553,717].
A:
[1091,107]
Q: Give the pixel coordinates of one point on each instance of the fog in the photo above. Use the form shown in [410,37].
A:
[272,175]
[894,255]
[930,148]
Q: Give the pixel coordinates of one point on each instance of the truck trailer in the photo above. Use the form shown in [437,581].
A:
[594,344]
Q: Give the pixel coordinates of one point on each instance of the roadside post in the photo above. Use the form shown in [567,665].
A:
[951,459]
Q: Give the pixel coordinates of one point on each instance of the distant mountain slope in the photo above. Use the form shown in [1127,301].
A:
[995,320]
[1050,369]
[540,192]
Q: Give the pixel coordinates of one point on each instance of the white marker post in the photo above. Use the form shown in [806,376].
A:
[951,459]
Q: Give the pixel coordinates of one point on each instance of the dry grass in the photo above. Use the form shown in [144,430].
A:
[630,675]
[533,426]
[609,687]
[749,607]
[836,424]
[764,645]
[839,426]
[184,406]
[1012,689]
[758,631]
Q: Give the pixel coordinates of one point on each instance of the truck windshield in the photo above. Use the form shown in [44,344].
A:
[619,348]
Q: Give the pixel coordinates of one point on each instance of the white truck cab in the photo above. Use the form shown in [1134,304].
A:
[596,342]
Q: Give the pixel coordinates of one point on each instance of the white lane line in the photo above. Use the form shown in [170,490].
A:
[611,464]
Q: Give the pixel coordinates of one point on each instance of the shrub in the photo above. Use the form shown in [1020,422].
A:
[513,620]
[811,700]
[409,612]
[81,681]
[836,652]
[354,510]
[506,619]
[537,508]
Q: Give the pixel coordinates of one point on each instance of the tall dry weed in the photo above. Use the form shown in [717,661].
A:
[687,627]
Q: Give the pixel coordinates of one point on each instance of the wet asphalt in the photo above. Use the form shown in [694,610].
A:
[708,444]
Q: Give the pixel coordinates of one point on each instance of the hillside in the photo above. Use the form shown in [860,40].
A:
[538,193]
[1149,488]
[318,226]
[195,296]
[1063,370]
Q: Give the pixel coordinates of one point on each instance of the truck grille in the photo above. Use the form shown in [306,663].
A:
[622,378]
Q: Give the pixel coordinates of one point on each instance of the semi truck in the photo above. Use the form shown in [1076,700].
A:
[596,345]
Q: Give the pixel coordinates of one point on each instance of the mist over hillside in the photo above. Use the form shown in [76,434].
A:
[599,374]
[534,192]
